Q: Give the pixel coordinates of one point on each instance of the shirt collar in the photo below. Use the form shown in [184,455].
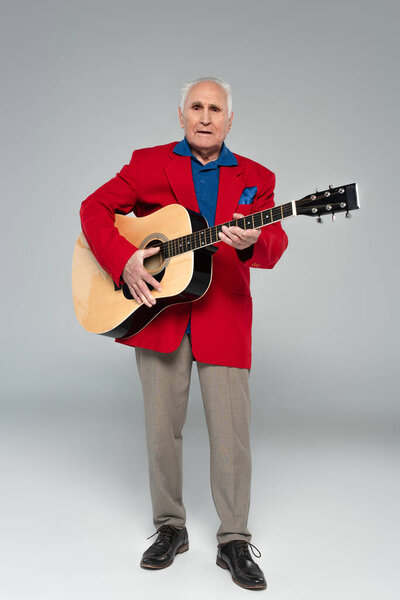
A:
[226,157]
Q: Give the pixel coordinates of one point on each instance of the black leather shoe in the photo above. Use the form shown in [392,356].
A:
[170,541]
[236,557]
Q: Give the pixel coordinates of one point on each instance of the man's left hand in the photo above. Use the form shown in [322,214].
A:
[239,238]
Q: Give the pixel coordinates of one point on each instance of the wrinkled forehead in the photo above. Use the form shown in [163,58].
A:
[207,92]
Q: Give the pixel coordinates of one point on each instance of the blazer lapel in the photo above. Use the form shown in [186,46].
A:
[179,173]
[231,186]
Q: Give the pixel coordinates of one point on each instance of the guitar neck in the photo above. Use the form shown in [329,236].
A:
[209,236]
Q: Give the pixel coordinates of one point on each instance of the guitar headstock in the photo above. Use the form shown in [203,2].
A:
[329,202]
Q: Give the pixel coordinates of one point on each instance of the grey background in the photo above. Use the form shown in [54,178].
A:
[315,89]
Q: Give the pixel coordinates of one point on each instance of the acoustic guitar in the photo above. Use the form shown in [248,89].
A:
[183,263]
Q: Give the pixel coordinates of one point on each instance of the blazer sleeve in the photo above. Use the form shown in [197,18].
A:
[273,240]
[97,215]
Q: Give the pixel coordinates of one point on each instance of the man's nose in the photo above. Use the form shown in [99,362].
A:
[205,117]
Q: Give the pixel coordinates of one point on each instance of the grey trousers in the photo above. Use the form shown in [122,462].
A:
[165,379]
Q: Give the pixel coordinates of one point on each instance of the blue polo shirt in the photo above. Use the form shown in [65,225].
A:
[206,181]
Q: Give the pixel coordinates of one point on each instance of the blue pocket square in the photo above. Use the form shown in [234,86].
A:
[248,195]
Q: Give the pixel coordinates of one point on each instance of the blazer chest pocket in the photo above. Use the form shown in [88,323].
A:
[248,195]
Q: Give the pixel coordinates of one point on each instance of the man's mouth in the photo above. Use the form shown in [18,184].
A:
[206,132]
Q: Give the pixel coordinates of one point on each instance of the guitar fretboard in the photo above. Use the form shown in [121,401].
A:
[206,237]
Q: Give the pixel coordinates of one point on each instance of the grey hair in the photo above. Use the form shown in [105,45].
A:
[224,84]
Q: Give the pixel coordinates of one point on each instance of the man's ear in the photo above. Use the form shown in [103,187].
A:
[180,115]
[230,122]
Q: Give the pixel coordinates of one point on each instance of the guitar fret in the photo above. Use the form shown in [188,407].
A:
[210,235]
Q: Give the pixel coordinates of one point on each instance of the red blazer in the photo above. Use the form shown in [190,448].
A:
[221,320]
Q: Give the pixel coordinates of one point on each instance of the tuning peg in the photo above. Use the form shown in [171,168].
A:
[333,217]
[348,215]
[319,220]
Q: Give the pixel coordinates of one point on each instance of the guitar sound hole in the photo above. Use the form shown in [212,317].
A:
[153,264]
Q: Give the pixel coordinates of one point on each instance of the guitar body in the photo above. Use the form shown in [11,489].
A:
[103,309]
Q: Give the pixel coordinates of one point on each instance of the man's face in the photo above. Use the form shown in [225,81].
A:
[205,118]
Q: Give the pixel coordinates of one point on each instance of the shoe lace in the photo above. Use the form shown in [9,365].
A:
[165,533]
[242,548]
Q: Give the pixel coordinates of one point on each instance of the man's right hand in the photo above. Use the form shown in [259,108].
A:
[135,276]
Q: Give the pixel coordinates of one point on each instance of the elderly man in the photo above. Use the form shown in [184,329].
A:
[200,173]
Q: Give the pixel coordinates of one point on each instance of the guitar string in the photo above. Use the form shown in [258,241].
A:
[217,228]
[174,246]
